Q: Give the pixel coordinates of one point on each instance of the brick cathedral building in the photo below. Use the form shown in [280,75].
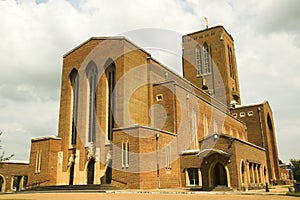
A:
[127,120]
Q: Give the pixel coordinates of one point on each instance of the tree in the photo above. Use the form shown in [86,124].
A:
[296,170]
[2,156]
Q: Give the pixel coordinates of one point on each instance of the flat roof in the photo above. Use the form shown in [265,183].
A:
[46,138]
[208,29]
[251,104]
[18,162]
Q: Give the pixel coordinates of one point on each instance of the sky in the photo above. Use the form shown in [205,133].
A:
[36,34]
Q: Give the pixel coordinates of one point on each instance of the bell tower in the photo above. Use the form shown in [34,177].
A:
[209,63]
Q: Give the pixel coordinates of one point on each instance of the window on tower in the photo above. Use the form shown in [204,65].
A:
[203,60]
[206,59]
[230,58]
[199,59]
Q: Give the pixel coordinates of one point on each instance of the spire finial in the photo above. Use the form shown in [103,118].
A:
[206,22]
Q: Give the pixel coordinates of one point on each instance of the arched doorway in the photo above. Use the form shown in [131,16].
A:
[2,184]
[109,173]
[273,174]
[265,175]
[71,178]
[106,179]
[219,175]
[90,171]
[243,172]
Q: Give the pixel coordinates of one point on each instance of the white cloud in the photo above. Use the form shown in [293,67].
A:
[34,36]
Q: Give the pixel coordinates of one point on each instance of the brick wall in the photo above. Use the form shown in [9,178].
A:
[261,131]
[43,161]
[9,170]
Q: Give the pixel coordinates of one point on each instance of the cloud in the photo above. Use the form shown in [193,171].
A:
[283,16]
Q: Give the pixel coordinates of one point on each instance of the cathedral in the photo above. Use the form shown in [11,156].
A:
[127,120]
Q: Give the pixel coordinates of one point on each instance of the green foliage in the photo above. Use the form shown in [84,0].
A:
[296,171]
[4,158]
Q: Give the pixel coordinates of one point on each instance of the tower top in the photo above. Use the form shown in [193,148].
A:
[222,30]
[210,63]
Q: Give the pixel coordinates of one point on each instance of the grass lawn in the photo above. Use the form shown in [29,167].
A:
[296,194]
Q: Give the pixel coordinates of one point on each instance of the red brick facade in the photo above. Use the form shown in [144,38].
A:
[43,161]
[261,131]
[127,120]
[13,176]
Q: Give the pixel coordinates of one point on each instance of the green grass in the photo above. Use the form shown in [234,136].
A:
[295,194]
[287,186]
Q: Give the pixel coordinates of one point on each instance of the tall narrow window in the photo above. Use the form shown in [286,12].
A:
[237,134]
[111,81]
[206,59]
[199,59]
[223,129]
[205,125]
[215,127]
[125,154]
[230,62]
[91,72]
[74,78]
[168,157]
[243,172]
[38,160]
[194,136]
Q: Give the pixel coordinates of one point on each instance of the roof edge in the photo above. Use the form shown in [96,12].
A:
[207,29]
[45,138]
[106,38]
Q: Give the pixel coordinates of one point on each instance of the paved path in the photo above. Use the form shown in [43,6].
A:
[275,193]
[105,196]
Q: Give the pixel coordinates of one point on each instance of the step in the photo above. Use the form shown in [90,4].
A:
[221,188]
[96,187]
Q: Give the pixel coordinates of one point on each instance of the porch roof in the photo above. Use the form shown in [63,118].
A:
[207,152]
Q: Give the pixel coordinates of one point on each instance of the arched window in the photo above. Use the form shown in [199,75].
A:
[110,72]
[215,126]
[224,129]
[2,184]
[74,79]
[92,76]
[206,59]
[199,59]
[243,172]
